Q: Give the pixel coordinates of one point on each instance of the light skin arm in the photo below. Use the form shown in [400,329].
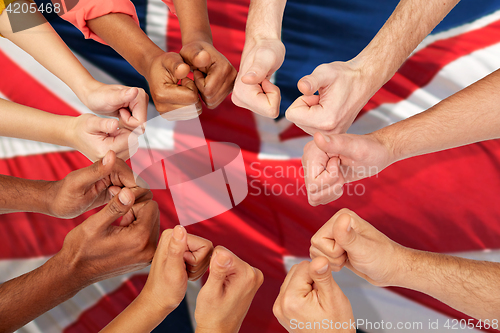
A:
[42,43]
[345,87]
[469,116]
[469,286]
[263,55]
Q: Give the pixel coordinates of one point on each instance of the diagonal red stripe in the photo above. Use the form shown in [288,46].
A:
[20,87]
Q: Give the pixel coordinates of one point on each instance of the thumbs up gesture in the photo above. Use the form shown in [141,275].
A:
[346,239]
[311,301]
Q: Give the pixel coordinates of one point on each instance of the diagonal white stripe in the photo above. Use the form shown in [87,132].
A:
[156,22]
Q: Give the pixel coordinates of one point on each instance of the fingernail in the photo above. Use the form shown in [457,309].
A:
[179,232]
[308,85]
[124,198]
[252,74]
[349,227]
[327,139]
[323,270]
[223,262]
[106,159]
[113,192]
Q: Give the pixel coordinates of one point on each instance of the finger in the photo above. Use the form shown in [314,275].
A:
[300,283]
[89,176]
[327,288]
[346,231]
[319,78]
[122,175]
[217,85]
[261,68]
[175,65]
[338,144]
[304,111]
[195,55]
[220,267]
[177,246]
[117,207]
[198,256]
[137,112]
[101,125]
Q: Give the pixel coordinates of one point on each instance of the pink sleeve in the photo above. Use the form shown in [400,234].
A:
[91,9]
[170,5]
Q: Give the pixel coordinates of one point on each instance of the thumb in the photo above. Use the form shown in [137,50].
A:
[195,55]
[118,206]
[89,176]
[103,125]
[345,232]
[309,84]
[337,144]
[176,249]
[129,94]
[320,273]
[261,67]
[220,265]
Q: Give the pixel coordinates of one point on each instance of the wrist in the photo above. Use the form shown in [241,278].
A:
[155,312]
[67,267]
[384,138]
[373,69]
[199,36]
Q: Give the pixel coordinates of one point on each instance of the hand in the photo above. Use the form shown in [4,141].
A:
[163,76]
[94,137]
[130,105]
[345,158]
[225,298]
[180,257]
[252,89]
[99,250]
[346,239]
[90,187]
[343,89]
[213,73]
[309,294]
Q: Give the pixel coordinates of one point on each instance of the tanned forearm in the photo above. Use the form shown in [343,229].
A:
[123,34]
[469,286]
[22,195]
[265,19]
[471,115]
[409,24]
[193,20]
[25,298]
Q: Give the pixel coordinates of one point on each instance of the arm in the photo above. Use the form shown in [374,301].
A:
[263,55]
[345,87]
[468,286]
[42,42]
[93,251]
[469,116]
[89,134]
[167,281]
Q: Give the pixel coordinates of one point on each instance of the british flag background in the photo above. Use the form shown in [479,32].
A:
[443,202]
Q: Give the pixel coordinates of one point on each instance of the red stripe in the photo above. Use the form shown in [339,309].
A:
[20,87]
[422,67]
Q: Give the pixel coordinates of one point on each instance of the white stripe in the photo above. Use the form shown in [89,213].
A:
[156,22]
[451,79]
[478,24]
[68,312]
[42,75]
[11,147]
[375,304]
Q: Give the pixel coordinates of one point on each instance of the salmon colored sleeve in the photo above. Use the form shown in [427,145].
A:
[87,10]
[170,5]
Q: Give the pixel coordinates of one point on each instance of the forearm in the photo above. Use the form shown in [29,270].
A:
[193,20]
[123,34]
[265,19]
[22,122]
[468,116]
[140,316]
[30,295]
[42,43]
[469,286]
[409,24]
[22,195]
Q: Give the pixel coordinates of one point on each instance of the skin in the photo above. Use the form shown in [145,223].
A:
[166,73]
[79,192]
[469,116]
[263,55]
[89,134]
[345,87]
[93,251]
[179,257]
[309,294]
[466,285]
[42,42]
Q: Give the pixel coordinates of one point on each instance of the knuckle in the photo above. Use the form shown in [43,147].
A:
[115,208]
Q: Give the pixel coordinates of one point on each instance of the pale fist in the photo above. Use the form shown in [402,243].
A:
[225,298]
[309,294]
[253,90]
